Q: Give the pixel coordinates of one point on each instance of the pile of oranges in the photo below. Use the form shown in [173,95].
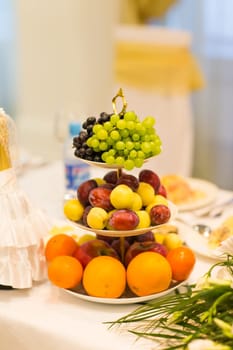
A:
[107,277]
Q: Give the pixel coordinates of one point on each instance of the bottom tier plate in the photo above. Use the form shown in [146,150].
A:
[126,298]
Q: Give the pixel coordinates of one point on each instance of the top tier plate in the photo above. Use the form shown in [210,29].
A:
[105,165]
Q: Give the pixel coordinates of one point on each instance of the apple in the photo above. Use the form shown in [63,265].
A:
[144,219]
[97,218]
[85,213]
[85,238]
[159,214]
[122,197]
[137,202]
[117,245]
[158,199]
[129,180]
[89,250]
[146,192]
[159,237]
[73,209]
[147,236]
[140,247]
[123,219]
[150,177]
[100,197]
[172,241]
[130,239]
[84,190]
[107,239]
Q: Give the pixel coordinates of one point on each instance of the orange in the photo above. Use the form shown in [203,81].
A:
[182,261]
[60,244]
[104,277]
[65,271]
[148,273]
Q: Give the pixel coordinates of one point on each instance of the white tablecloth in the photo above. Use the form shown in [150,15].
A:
[46,317]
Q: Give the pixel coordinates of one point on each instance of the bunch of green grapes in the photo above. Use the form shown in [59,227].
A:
[121,139]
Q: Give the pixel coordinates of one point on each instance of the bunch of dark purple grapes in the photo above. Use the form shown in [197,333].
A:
[82,150]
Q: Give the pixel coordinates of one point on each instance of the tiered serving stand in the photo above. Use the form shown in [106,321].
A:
[127,297]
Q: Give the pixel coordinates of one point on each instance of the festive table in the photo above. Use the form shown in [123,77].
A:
[46,317]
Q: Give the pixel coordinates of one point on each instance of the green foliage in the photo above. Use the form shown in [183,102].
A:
[201,311]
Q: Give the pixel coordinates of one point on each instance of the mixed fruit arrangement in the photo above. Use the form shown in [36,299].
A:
[118,139]
[110,266]
[120,201]
[123,254]
[94,264]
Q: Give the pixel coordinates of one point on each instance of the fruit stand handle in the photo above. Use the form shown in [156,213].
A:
[119,94]
[122,248]
[119,172]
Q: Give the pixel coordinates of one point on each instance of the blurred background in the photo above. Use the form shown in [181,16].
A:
[173,59]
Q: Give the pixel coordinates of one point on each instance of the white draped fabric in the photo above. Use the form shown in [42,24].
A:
[22,229]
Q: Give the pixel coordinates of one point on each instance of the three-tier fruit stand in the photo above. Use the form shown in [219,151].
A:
[121,234]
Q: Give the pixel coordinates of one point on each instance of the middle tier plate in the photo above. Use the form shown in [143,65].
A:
[128,233]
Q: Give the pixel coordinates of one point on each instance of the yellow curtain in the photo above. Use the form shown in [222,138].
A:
[140,11]
[168,69]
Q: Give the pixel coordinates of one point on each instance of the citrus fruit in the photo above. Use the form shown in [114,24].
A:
[104,277]
[65,271]
[148,273]
[73,209]
[182,261]
[60,244]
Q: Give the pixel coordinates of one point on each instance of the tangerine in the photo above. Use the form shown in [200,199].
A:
[65,271]
[104,277]
[182,260]
[148,273]
[60,244]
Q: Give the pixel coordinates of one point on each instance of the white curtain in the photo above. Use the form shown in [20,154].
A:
[170,106]
[65,51]
[210,23]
